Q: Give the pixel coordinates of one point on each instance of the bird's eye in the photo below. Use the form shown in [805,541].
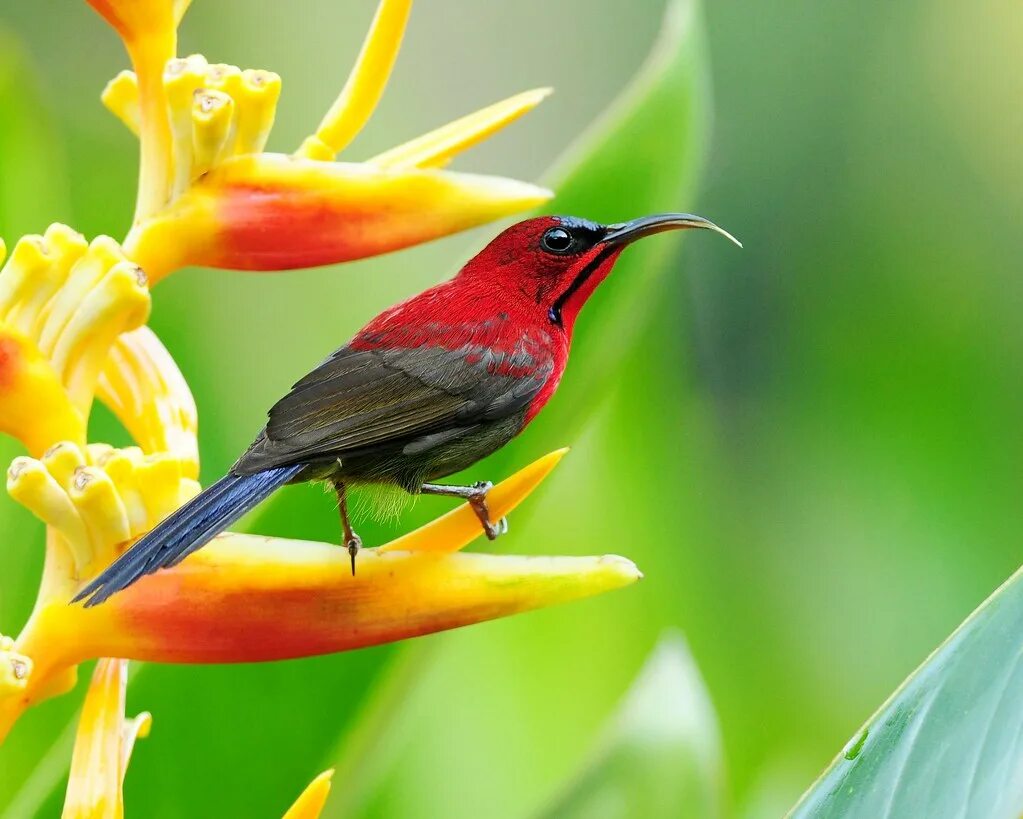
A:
[556,240]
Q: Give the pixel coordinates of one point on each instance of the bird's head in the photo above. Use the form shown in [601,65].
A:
[557,262]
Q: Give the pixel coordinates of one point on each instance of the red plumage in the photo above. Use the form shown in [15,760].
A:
[500,301]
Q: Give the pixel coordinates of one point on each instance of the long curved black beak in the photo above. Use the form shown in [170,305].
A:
[627,232]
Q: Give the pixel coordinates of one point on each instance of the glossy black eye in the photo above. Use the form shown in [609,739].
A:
[556,240]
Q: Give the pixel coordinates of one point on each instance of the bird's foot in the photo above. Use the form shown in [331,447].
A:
[353,543]
[478,501]
[476,495]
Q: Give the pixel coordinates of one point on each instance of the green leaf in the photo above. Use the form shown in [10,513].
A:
[661,755]
[947,742]
[494,729]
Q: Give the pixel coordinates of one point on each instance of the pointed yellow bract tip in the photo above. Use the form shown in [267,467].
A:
[436,149]
[457,528]
[310,802]
[361,93]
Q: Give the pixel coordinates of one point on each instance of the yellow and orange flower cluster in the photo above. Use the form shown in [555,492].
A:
[209,195]
[72,328]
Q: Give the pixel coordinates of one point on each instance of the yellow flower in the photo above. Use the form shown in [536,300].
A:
[209,194]
[103,747]
[247,598]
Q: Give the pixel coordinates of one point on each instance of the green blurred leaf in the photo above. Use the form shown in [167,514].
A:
[642,157]
[661,755]
[32,182]
[32,195]
[947,743]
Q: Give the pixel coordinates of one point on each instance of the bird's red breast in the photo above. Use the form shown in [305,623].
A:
[496,333]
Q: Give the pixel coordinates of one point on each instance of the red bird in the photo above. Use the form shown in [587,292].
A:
[426,389]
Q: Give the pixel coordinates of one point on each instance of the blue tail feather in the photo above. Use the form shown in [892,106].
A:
[187,529]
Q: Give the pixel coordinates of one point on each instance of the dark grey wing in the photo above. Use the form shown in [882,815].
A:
[417,397]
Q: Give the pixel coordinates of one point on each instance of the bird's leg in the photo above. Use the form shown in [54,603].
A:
[352,541]
[476,495]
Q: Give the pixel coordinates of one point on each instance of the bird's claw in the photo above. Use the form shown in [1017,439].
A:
[497,529]
[353,544]
[478,501]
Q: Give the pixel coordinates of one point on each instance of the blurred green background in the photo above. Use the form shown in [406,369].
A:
[814,455]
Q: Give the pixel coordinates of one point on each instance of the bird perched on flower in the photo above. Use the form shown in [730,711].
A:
[426,389]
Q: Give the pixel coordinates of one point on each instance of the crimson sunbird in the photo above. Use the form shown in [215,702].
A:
[426,389]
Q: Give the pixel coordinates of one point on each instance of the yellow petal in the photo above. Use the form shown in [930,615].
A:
[274,212]
[435,149]
[103,746]
[212,123]
[121,97]
[143,386]
[63,302]
[37,270]
[118,302]
[99,504]
[32,485]
[361,93]
[256,103]
[182,80]
[310,803]
[96,506]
